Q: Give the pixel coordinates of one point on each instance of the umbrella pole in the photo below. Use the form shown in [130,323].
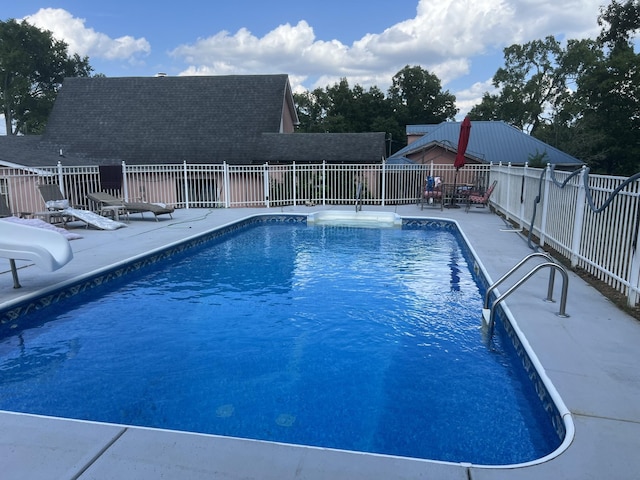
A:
[452,204]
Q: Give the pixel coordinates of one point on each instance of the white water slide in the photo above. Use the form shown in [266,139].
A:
[48,250]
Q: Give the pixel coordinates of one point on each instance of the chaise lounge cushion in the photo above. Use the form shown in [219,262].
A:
[106,199]
[155,208]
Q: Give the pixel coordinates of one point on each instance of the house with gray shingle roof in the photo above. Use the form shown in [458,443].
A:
[489,141]
[237,119]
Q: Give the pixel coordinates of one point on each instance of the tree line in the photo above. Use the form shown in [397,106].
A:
[583,97]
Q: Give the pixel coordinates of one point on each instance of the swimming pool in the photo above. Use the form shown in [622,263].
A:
[420,260]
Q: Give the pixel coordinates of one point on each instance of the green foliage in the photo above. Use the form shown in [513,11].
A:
[416,96]
[619,22]
[32,67]
[538,160]
[531,83]
[583,99]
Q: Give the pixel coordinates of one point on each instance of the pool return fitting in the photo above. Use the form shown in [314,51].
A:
[488,314]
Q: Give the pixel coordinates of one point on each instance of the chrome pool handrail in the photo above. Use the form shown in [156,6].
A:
[513,270]
[489,314]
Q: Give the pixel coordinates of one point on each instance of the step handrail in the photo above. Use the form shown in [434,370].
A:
[563,298]
[545,255]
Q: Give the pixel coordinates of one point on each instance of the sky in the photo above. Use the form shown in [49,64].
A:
[315,43]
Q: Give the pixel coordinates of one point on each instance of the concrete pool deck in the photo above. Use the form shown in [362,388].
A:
[592,358]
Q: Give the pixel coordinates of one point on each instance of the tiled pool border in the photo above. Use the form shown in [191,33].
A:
[13,313]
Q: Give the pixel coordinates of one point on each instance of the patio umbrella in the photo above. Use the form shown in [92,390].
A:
[463,141]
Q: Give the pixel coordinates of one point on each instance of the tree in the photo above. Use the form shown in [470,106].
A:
[32,67]
[532,85]
[416,97]
[583,99]
[619,22]
[560,127]
[610,92]
[312,109]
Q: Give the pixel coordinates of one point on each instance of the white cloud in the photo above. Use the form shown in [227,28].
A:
[571,18]
[86,41]
[468,97]
[443,38]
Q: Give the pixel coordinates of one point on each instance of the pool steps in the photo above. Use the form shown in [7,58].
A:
[488,312]
[357,218]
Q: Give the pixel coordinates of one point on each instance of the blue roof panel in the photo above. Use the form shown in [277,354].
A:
[490,141]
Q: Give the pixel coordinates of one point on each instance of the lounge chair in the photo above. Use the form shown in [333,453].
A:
[431,193]
[57,207]
[481,200]
[7,216]
[103,199]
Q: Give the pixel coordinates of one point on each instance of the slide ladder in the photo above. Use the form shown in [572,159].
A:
[488,313]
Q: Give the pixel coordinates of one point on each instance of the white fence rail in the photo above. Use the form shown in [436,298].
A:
[598,236]
[600,240]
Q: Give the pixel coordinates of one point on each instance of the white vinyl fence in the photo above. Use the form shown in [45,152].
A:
[592,220]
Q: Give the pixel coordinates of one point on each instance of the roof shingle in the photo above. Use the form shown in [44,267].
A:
[167,119]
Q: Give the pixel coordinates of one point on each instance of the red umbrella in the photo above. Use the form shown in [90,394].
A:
[463,141]
[465,131]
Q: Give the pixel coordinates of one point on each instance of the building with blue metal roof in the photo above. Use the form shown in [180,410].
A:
[489,142]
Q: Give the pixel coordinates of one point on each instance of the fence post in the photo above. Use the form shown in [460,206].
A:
[266,184]
[523,194]
[294,183]
[227,199]
[503,180]
[185,181]
[578,221]
[61,179]
[384,181]
[125,184]
[324,182]
[510,212]
[634,272]
[545,205]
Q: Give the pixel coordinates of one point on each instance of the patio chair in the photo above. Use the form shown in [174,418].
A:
[481,200]
[103,199]
[431,194]
[58,208]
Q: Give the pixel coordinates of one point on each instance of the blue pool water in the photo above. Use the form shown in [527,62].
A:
[352,338]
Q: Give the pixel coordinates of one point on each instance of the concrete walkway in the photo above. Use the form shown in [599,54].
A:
[592,358]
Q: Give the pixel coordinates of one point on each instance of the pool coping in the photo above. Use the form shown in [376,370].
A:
[457,472]
[547,394]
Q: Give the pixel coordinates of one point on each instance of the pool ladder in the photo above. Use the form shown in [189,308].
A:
[359,197]
[488,314]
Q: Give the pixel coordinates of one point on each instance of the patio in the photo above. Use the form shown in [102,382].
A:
[592,358]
